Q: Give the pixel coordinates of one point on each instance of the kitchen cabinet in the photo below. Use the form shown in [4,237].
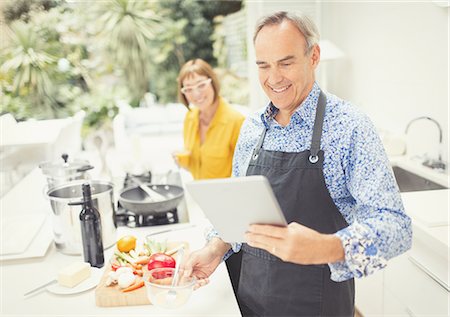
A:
[404,288]
[369,294]
[410,290]
[393,306]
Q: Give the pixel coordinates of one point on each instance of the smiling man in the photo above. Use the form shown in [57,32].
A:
[333,181]
[286,66]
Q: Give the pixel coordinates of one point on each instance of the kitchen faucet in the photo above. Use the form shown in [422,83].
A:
[435,164]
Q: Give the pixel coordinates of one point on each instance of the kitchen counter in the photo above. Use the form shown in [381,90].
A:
[22,275]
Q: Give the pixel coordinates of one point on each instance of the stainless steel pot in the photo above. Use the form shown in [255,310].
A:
[66,222]
[64,171]
[135,199]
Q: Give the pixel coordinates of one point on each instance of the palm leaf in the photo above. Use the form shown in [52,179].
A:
[28,62]
[126,27]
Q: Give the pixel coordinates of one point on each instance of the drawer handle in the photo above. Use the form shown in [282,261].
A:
[429,273]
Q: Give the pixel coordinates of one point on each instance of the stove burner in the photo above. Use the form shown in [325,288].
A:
[132,219]
[124,217]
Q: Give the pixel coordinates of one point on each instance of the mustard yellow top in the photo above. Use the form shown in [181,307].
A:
[214,157]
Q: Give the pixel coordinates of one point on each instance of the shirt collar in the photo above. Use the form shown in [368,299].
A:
[305,111]
[220,117]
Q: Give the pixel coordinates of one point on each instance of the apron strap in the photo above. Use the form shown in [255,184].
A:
[317,131]
[259,144]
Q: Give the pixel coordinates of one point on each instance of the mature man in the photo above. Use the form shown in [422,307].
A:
[331,176]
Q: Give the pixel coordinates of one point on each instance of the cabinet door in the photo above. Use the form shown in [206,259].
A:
[419,293]
[369,294]
[392,306]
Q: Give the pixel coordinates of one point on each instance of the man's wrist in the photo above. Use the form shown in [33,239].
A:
[218,246]
[334,250]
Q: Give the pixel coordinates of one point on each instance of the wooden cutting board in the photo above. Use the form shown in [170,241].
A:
[109,296]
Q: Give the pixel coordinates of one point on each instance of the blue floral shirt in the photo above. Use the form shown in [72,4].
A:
[357,174]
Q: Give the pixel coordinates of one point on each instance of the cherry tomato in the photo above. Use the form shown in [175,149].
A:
[115,265]
[158,260]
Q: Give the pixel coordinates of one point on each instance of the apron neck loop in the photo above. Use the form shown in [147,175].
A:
[259,145]
[317,131]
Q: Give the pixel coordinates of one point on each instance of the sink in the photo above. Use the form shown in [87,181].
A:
[410,182]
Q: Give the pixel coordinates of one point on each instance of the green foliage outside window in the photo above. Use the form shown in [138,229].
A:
[60,57]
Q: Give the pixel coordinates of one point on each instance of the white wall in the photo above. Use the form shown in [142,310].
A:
[396,66]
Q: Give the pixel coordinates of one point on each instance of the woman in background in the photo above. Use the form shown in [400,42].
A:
[211,126]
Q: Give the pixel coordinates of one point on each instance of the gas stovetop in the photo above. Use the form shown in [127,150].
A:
[132,219]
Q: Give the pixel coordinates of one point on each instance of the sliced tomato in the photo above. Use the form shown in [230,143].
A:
[162,273]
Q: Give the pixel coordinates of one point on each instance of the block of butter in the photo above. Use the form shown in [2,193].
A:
[74,274]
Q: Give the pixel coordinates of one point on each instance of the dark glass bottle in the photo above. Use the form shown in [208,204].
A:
[91,230]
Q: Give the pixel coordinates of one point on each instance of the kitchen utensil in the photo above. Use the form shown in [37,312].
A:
[158,283]
[39,288]
[136,200]
[66,223]
[172,294]
[144,177]
[154,195]
[63,171]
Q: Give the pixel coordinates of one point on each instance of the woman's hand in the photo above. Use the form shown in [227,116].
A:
[181,158]
[296,243]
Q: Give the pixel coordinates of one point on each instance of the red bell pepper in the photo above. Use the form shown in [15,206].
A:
[158,260]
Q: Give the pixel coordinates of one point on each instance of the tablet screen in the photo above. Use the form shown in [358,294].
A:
[232,204]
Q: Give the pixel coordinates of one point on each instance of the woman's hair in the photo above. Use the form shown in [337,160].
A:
[199,67]
[303,23]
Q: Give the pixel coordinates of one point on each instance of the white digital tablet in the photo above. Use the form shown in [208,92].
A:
[232,204]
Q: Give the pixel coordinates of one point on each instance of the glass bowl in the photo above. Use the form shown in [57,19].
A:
[159,283]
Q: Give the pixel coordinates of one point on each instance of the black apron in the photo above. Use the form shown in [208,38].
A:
[267,285]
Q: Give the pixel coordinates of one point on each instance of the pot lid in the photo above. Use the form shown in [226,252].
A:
[64,166]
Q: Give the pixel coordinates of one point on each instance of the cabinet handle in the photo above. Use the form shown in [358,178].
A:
[429,273]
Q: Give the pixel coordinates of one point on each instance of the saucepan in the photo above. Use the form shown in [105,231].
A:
[66,223]
[135,199]
[63,171]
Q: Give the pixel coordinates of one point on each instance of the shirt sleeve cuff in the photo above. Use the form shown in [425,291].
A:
[362,256]
[235,248]
[210,233]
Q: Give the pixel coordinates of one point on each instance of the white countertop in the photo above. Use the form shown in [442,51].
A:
[20,276]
